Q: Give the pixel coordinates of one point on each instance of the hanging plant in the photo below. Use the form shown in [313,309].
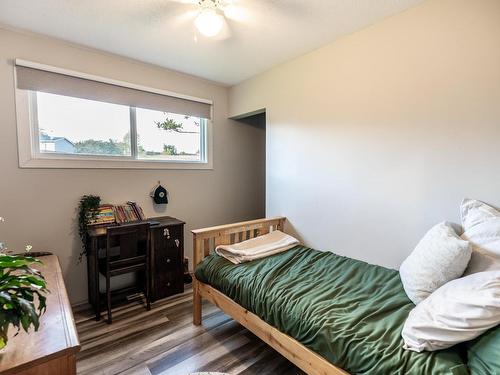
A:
[19,285]
[87,210]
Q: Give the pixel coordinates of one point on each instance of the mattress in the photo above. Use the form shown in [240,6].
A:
[348,311]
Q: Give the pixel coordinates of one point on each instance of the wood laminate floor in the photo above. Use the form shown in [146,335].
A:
[164,341]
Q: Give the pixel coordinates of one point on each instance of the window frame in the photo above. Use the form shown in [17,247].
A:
[30,155]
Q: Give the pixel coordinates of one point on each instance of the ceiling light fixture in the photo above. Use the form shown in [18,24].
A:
[210,21]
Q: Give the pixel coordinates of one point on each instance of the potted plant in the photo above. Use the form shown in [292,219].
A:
[87,209]
[20,287]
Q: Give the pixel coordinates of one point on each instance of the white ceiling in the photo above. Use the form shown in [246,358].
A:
[161,32]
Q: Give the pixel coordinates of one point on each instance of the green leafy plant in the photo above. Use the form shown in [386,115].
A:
[170,150]
[87,210]
[20,286]
[170,124]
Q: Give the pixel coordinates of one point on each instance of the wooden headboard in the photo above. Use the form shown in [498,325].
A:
[207,239]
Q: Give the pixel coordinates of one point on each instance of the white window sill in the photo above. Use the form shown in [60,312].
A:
[92,163]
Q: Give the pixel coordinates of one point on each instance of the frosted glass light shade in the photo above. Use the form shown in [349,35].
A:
[209,22]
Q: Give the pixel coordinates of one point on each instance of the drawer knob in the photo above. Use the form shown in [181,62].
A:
[166,233]
[168,284]
[168,260]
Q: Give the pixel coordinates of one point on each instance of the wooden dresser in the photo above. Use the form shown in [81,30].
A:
[52,349]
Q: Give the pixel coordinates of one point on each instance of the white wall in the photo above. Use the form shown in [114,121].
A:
[40,204]
[379,135]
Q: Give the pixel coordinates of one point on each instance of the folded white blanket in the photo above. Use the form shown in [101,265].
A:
[258,247]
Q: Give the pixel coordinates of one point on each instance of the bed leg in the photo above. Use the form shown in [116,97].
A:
[196,304]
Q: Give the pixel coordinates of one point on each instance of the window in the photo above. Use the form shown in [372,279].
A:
[108,126]
[169,136]
[74,126]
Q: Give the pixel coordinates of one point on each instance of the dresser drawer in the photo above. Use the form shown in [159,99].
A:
[169,283]
[168,253]
[169,233]
[167,261]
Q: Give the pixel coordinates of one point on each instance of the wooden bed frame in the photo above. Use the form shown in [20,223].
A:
[205,240]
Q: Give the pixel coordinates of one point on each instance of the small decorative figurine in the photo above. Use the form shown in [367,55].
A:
[159,194]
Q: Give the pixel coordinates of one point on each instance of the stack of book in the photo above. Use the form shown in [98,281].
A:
[104,215]
[128,212]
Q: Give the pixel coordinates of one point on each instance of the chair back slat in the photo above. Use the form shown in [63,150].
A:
[129,241]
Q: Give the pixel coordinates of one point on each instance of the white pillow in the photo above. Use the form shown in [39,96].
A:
[439,257]
[482,229]
[458,311]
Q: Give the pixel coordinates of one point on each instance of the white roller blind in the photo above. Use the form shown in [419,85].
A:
[34,79]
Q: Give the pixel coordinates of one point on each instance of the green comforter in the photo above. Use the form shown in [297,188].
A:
[348,311]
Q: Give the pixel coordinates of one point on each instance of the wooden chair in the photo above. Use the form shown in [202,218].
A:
[134,255]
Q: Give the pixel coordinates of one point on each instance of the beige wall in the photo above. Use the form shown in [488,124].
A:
[39,204]
[379,135]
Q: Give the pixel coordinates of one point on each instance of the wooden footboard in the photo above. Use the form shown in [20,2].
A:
[204,241]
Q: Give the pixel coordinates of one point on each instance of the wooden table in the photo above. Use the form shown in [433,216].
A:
[52,349]
[166,254]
